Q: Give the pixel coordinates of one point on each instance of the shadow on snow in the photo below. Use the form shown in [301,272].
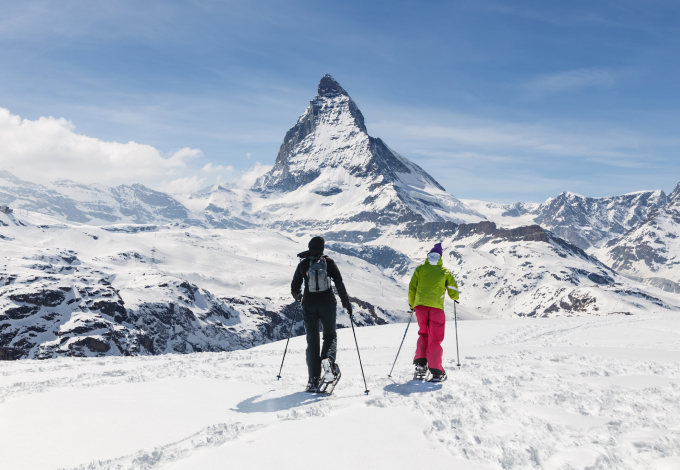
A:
[255,405]
[412,386]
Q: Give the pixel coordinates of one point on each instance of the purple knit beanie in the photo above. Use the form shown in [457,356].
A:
[437,249]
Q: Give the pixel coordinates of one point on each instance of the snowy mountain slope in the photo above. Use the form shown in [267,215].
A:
[79,290]
[650,252]
[529,271]
[675,195]
[330,172]
[586,222]
[93,204]
[222,206]
[146,289]
[560,393]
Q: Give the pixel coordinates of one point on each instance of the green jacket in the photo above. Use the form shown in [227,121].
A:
[430,284]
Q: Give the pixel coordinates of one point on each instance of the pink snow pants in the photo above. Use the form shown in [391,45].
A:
[431,323]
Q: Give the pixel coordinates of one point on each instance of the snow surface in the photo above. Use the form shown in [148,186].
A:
[557,393]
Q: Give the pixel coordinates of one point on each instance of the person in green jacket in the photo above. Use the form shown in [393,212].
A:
[430,282]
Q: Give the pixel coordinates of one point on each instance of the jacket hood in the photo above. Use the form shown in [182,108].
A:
[308,253]
[440,262]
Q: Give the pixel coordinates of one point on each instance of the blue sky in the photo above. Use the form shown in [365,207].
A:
[501,101]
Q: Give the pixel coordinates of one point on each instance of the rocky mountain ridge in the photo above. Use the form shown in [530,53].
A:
[650,251]
[588,222]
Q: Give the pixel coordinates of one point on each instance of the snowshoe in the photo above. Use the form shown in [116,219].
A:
[326,387]
[437,376]
[421,369]
[420,373]
[312,385]
[327,365]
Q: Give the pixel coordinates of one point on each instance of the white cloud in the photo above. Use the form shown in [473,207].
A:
[248,177]
[210,168]
[569,81]
[49,148]
[418,132]
[182,185]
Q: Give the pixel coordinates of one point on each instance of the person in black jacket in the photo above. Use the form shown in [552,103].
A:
[319,306]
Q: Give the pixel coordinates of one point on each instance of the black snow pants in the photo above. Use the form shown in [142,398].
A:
[313,314]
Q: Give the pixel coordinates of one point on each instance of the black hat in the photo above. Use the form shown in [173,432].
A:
[316,246]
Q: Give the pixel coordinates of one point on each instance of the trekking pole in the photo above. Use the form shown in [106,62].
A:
[355,342]
[278,377]
[455,320]
[402,343]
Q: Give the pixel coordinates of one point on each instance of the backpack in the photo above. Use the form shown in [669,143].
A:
[317,275]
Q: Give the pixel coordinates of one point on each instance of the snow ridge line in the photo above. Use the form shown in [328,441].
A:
[552,333]
[211,436]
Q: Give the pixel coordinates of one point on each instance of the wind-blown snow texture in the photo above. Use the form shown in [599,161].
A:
[557,393]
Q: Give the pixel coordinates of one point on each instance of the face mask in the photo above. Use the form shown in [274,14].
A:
[433,257]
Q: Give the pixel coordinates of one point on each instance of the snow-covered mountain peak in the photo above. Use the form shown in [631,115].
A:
[93,204]
[587,222]
[675,195]
[330,167]
[329,87]
[569,195]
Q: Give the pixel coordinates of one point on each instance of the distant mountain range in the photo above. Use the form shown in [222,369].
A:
[95,270]
[587,222]
[93,203]
[650,251]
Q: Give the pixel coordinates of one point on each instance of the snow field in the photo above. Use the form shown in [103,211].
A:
[556,393]
[256,262]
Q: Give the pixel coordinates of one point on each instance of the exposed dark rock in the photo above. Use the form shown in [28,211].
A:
[6,354]
[47,298]
[382,256]
[435,231]
[93,344]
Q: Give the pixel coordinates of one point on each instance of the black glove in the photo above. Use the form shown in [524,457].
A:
[348,307]
[297,296]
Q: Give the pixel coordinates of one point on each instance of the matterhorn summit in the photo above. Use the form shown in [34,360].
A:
[330,170]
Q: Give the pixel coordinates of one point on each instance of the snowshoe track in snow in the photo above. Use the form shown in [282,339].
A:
[552,393]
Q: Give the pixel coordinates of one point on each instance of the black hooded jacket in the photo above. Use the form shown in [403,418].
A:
[321,297]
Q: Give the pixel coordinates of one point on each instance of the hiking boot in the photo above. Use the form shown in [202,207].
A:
[437,375]
[312,385]
[421,368]
[329,369]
